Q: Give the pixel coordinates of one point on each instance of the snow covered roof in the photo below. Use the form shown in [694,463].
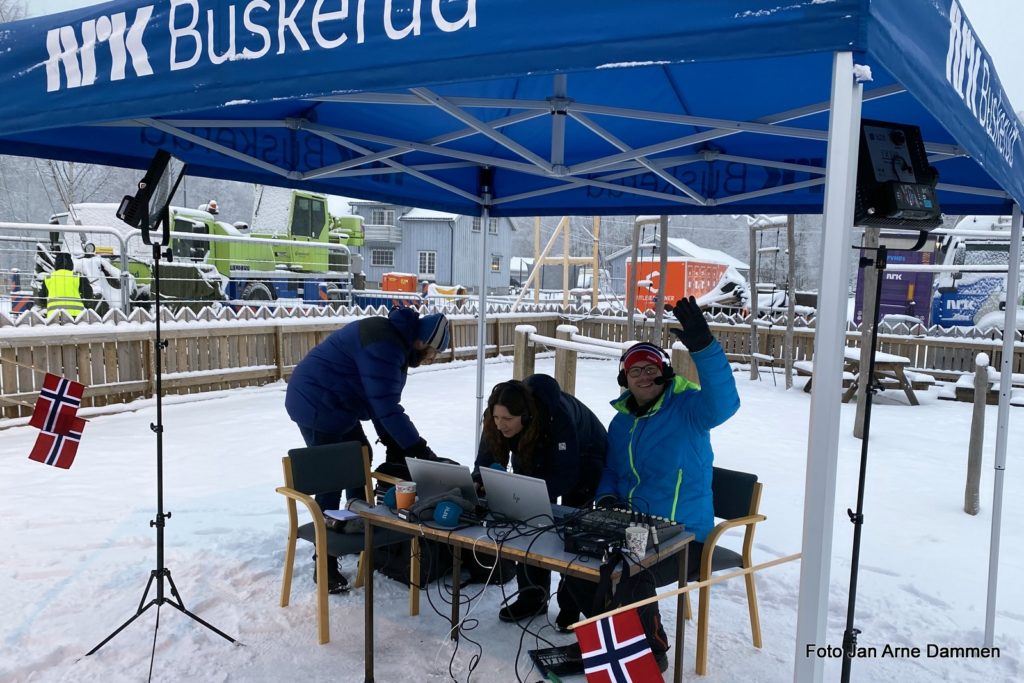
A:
[685,247]
[429,215]
[340,206]
[520,263]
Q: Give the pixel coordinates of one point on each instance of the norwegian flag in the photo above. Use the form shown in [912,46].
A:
[57,404]
[615,650]
[58,449]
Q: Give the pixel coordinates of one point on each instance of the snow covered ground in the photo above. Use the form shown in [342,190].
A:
[79,547]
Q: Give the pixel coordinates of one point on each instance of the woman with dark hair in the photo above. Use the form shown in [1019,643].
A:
[534,428]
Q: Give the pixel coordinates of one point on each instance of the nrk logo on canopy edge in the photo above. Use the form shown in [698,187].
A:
[250,30]
[972,78]
[79,58]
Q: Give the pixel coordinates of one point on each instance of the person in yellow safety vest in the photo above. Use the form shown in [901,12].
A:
[62,290]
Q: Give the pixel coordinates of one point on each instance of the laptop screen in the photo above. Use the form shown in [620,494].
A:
[517,497]
[434,478]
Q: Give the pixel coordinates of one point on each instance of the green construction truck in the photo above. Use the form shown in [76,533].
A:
[257,270]
[267,261]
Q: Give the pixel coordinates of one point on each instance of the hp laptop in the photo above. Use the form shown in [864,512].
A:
[517,497]
[434,478]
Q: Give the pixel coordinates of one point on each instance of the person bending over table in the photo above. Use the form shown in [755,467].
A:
[660,458]
[357,374]
[549,434]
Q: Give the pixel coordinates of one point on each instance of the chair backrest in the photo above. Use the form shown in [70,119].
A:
[735,493]
[322,469]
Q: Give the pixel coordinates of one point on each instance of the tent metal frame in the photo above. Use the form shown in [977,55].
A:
[626,161]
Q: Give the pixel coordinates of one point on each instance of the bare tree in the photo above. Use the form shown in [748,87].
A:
[81,182]
[12,10]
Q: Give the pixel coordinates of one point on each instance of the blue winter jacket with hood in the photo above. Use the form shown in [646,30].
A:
[660,461]
[357,373]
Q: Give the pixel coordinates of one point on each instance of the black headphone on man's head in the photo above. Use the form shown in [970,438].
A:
[667,373]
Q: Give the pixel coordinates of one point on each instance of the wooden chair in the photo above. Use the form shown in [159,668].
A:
[737,497]
[320,469]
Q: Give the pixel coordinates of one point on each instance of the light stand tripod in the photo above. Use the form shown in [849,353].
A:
[857,518]
[132,213]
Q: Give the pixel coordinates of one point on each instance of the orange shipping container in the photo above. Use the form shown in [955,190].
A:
[398,282]
[683,277]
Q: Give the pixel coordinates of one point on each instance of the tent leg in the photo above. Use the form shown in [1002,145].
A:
[1002,421]
[486,174]
[823,434]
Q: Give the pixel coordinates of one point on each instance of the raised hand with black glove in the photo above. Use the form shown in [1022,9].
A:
[695,333]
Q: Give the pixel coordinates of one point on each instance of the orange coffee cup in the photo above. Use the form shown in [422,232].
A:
[405,494]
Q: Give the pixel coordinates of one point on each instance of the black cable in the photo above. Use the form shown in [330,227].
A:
[463,626]
[499,533]
[152,652]
[521,530]
[474,659]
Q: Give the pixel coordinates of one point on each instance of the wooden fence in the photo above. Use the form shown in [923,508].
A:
[115,358]
[117,361]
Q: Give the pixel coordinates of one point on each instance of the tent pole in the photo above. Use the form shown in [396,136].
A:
[595,269]
[787,344]
[823,433]
[1003,419]
[754,279]
[486,175]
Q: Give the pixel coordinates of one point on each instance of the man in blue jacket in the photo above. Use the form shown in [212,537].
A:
[659,451]
[356,374]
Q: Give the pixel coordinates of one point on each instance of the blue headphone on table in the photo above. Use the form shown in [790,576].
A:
[446,513]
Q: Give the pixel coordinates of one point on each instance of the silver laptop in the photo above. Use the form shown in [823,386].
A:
[517,497]
[434,478]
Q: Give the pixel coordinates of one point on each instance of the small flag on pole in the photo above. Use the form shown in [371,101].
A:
[615,650]
[57,404]
[58,450]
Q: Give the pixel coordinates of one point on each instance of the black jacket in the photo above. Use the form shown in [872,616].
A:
[572,448]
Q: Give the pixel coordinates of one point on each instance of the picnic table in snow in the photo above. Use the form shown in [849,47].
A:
[890,373]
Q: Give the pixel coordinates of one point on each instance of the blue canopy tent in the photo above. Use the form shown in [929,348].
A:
[527,107]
